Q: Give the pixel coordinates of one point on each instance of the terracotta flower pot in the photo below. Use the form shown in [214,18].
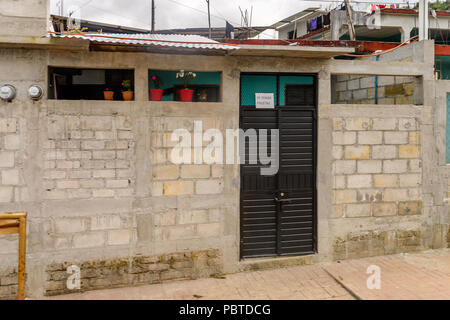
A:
[156,94]
[108,95]
[186,95]
[127,95]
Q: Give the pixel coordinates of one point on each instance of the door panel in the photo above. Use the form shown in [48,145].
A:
[278,212]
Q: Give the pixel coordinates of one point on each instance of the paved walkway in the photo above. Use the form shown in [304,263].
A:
[421,276]
[411,276]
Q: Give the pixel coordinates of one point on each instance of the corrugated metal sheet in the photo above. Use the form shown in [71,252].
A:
[165,40]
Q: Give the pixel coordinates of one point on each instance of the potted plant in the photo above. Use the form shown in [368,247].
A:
[156,93]
[108,94]
[127,93]
[186,94]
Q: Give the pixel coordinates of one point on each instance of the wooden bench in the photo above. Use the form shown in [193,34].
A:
[12,223]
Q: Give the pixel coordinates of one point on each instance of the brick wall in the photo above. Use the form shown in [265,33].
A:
[356,89]
[377,173]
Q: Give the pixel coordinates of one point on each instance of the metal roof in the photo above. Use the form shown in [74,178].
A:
[164,40]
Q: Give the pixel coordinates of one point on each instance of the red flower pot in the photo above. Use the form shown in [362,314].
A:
[108,95]
[156,94]
[186,95]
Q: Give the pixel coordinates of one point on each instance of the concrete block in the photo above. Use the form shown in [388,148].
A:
[89,240]
[8,125]
[119,237]
[408,124]
[395,166]
[396,195]
[344,138]
[345,166]
[105,222]
[384,124]
[339,182]
[6,194]
[414,138]
[385,180]
[70,225]
[117,184]
[68,184]
[209,187]
[178,188]
[356,124]
[103,193]
[208,230]
[408,208]
[409,151]
[195,171]
[168,172]
[369,166]
[96,123]
[359,181]
[370,137]
[384,152]
[384,209]
[193,217]
[337,152]
[410,180]
[359,152]
[344,196]
[6,159]
[11,177]
[395,137]
[12,142]
[357,210]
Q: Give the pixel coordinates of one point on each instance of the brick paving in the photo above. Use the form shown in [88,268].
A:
[405,276]
[420,276]
[293,283]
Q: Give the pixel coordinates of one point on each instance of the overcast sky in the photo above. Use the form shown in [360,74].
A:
[174,13]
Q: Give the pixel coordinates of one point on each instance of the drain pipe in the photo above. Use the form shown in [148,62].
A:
[376,84]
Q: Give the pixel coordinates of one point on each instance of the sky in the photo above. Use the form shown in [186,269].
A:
[172,14]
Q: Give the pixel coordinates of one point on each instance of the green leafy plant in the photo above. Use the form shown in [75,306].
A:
[157,82]
[126,84]
[185,77]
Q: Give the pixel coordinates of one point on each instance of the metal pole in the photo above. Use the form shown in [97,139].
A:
[209,20]
[153,16]
[351,27]
[423,20]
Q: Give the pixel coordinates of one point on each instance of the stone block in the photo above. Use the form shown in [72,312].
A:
[178,188]
[384,152]
[409,151]
[384,124]
[369,166]
[384,209]
[70,225]
[385,181]
[357,210]
[195,171]
[395,137]
[12,142]
[395,166]
[209,187]
[370,137]
[410,180]
[89,240]
[6,159]
[208,230]
[11,177]
[359,181]
[344,196]
[344,138]
[119,237]
[357,124]
[6,194]
[359,152]
[407,208]
[105,222]
[169,172]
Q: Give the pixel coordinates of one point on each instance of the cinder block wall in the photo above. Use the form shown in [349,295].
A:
[356,89]
[101,192]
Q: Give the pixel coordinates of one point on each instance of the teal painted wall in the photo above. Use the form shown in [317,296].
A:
[169,78]
[443,66]
[251,84]
[448,128]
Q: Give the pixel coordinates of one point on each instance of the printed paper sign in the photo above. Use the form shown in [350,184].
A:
[265,100]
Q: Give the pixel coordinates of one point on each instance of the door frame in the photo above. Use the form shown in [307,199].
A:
[315,150]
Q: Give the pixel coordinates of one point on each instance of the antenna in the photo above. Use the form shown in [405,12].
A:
[209,19]
[153,16]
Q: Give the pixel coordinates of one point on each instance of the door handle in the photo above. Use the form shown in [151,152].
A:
[282,200]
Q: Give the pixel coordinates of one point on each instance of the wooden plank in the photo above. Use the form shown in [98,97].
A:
[9,223]
[10,230]
[22,256]
[12,215]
